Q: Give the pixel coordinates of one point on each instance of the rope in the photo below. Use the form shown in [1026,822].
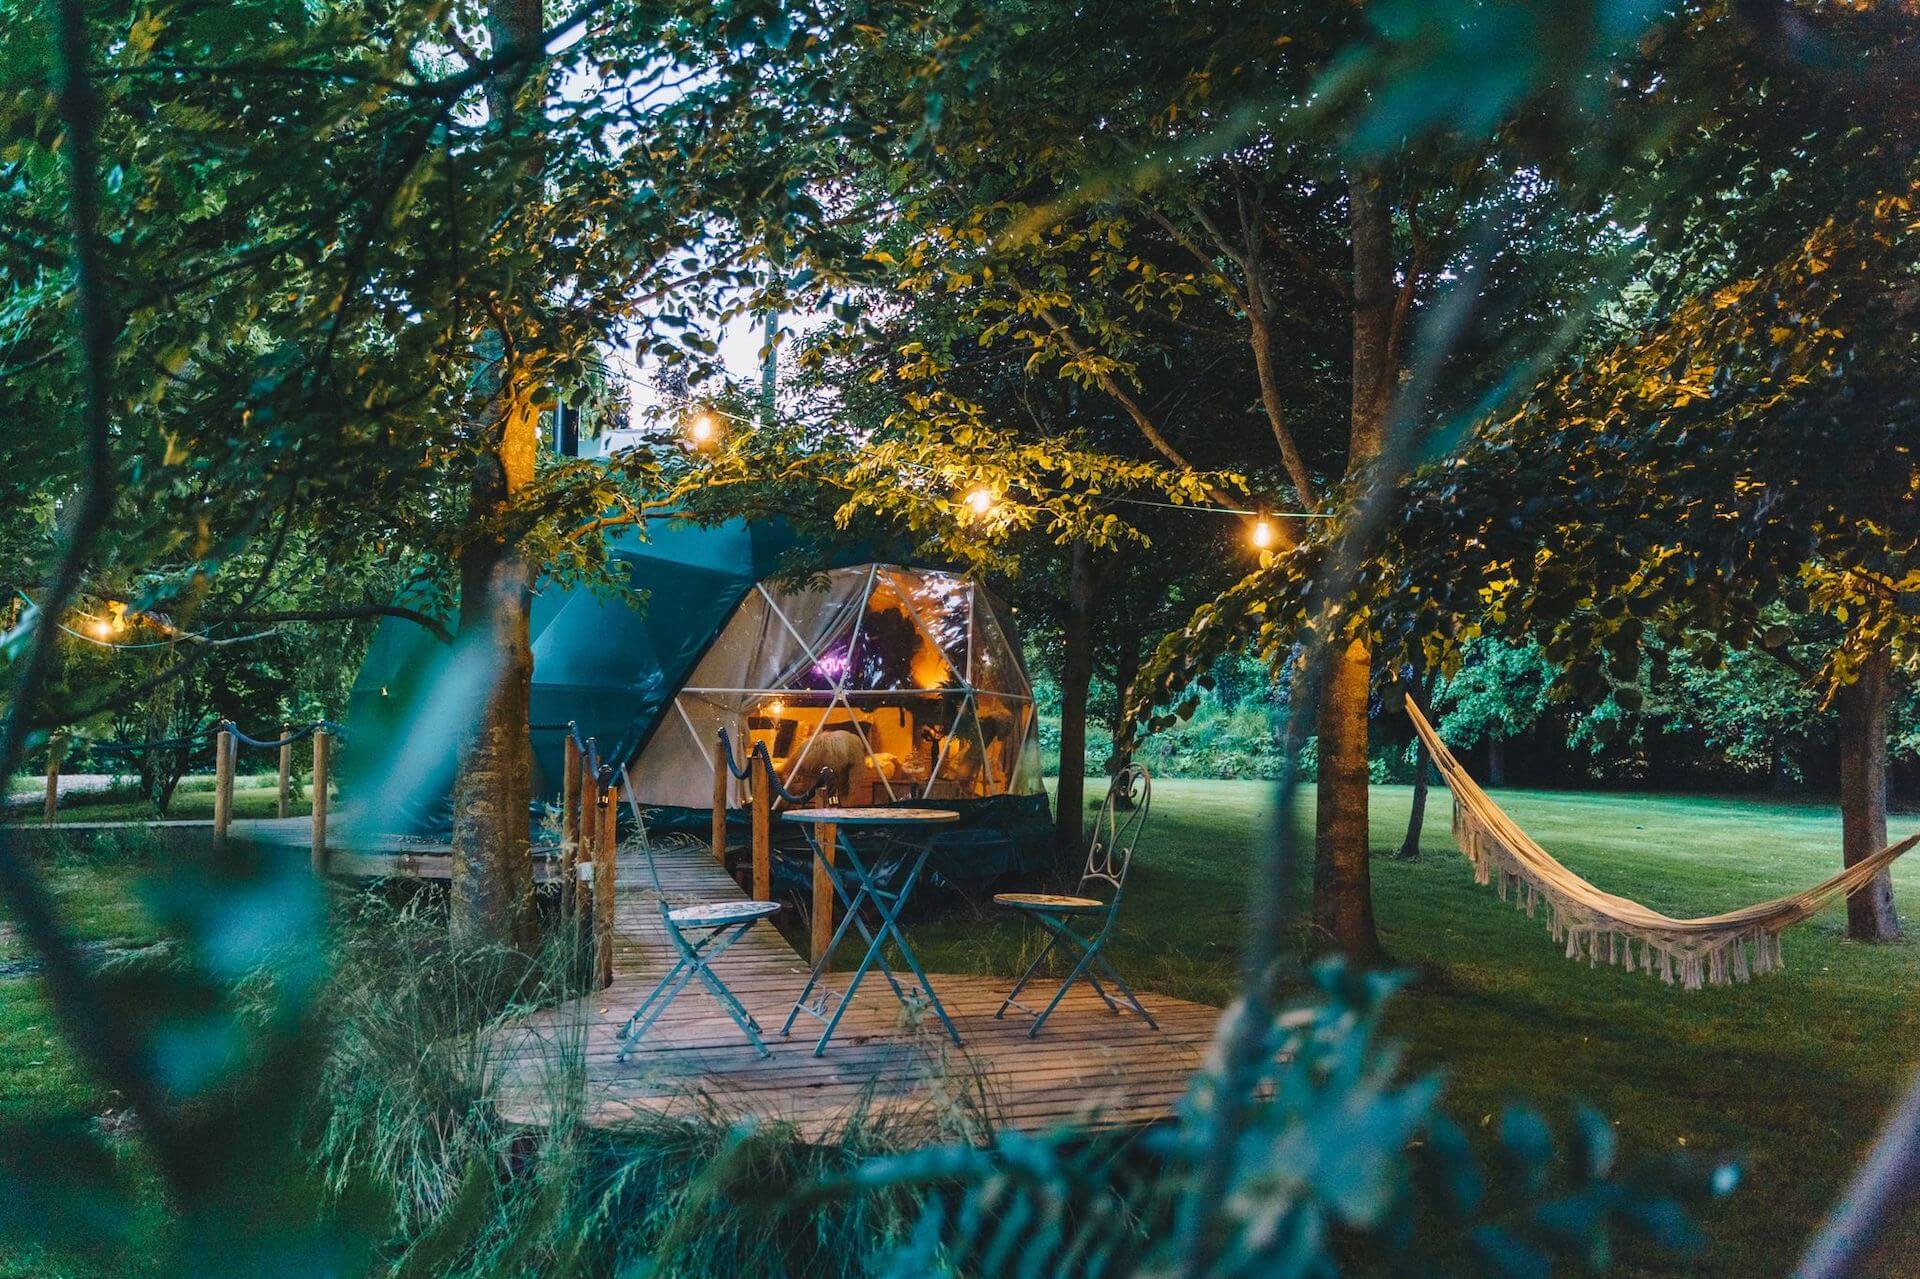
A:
[779,790]
[726,751]
[299,735]
[153,744]
[200,735]
[759,751]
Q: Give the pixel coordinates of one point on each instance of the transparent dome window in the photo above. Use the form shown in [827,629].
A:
[902,683]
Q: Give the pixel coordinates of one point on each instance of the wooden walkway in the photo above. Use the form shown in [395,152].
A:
[884,1069]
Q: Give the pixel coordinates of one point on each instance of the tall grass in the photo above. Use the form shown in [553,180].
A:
[406,1122]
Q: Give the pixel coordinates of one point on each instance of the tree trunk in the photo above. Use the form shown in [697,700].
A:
[1417,810]
[1342,884]
[1120,754]
[1863,795]
[1422,766]
[492,888]
[1496,761]
[1342,869]
[1076,674]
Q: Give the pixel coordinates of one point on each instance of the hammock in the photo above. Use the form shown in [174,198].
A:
[1604,929]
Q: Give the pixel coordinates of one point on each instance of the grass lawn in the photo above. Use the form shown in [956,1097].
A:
[1792,1072]
[254,795]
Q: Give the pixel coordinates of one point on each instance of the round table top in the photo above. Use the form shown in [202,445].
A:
[870,816]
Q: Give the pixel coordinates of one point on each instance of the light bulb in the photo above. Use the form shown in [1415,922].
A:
[102,628]
[702,429]
[980,500]
[1262,535]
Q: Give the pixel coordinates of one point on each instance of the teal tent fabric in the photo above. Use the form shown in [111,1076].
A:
[601,661]
[613,666]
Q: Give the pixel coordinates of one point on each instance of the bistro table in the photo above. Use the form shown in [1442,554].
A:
[913,828]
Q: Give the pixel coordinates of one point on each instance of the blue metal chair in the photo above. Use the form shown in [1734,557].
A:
[700,934]
[1096,899]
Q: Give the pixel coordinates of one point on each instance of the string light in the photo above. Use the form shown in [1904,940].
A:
[703,430]
[980,500]
[100,630]
[1262,534]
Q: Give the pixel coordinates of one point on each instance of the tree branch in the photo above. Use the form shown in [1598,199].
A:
[1161,445]
[1260,338]
[339,613]
[77,1000]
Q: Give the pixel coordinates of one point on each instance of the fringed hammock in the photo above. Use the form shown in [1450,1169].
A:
[1604,929]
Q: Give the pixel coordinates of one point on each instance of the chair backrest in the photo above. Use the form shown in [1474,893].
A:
[640,833]
[1123,814]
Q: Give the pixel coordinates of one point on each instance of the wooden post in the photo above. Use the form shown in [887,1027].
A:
[286,770]
[322,753]
[605,871]
[55,747]
[569,823]
[760,768]
[223,744]
[720,749]
[588,858]
[828,833]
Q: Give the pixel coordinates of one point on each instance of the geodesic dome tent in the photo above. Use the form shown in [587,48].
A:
[905,682]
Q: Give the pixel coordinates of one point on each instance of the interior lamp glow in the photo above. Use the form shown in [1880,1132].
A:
[1262,534]
[979,500]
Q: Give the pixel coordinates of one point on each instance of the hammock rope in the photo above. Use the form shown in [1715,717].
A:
[1597,926]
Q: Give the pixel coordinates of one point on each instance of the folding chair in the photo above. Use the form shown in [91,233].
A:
[1115,833]
[701,934]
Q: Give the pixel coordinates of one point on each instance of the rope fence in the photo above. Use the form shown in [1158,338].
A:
[589,804]
[227,738]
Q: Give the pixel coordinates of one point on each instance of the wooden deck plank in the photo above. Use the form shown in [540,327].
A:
[1089,1068]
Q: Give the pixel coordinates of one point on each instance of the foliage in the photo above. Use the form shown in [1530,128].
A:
[1319,1172]
[405,1122]
[341,250]
[1499,690]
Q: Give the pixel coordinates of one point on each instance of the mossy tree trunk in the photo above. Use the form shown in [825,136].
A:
[492,889]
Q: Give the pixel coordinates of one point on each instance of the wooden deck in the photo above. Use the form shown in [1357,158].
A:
[885,1068]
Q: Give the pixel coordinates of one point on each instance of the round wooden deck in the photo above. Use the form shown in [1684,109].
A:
[886,1066]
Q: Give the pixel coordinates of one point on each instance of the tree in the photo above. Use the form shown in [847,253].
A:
[1649,524]
[1213,230]
[345,294]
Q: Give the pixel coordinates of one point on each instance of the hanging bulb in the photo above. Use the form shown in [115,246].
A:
[1262,534]
[101,628]
[703,430]
[980,500]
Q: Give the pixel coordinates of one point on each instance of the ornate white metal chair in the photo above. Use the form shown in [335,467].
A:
[1097,899]
[700,934]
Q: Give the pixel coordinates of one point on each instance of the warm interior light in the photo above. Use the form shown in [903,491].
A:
[703,430]
[1262,534]
[979,500]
